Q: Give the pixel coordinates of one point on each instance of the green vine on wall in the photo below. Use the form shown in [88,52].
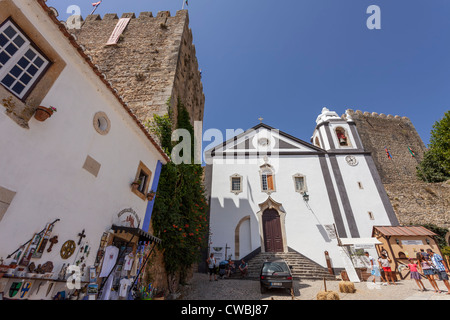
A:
[179,214]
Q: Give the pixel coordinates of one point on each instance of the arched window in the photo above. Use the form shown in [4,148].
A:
[267,178]
[316,142]
[342,137]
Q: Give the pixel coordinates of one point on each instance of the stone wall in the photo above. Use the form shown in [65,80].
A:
[414,201]
[153,61]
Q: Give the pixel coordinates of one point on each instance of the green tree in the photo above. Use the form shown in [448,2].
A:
[435,166]
[179,214]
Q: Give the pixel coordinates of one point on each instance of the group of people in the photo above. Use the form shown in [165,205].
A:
[228,268]
[427,265]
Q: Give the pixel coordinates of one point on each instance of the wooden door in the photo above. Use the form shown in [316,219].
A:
[273,240]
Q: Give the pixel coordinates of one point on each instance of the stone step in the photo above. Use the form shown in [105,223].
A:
[302,267]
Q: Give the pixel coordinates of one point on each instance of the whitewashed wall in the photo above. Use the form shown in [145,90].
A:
[44,163]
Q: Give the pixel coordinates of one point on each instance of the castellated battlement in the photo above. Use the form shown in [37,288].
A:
[396,134]
[153,61]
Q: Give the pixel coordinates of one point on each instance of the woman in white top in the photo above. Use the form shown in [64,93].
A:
[211,261]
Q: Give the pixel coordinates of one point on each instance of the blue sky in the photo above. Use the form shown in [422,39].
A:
[284,60]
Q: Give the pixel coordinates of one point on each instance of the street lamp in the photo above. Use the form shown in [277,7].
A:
[305,197]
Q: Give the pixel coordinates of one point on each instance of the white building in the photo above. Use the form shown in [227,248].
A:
[78,165]
[272,192]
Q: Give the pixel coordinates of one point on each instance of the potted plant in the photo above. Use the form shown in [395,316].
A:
[151,195]
[135,184]
[43,113]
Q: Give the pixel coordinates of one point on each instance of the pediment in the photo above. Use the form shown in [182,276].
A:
[264,139]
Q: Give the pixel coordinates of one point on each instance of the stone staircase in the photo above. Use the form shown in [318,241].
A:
[302,267]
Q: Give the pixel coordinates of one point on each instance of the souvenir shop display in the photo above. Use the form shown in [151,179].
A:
[26,251]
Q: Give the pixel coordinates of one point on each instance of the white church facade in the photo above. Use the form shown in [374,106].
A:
[272,192]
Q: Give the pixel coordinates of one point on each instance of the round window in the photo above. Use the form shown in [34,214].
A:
[102,123]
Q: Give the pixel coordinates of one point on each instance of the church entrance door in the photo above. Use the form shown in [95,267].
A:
[273,239]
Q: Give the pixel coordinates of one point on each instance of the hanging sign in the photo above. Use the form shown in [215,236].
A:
[128,218]
[120,26]
[331,232]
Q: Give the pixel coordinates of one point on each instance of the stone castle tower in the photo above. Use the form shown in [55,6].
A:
[414,201]
[153,61]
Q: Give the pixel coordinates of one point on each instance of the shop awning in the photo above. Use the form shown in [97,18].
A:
[408,231]
[359,241]
[143,236]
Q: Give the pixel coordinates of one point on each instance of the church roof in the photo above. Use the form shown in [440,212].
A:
[282,143]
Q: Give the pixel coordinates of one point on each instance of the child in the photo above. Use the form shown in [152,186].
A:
[415,275]
[426,269]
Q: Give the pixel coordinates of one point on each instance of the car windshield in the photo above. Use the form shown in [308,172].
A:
[271,267]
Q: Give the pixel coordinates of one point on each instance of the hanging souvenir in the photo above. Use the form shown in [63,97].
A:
[44,240]
[67,249]
[29,251]
[25,289]
[53,241]
[14,288]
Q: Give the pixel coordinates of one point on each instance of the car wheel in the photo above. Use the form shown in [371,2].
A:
[263,289]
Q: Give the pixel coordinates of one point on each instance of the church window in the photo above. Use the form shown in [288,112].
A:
[360,185]
[236,183]
[371,215]
[21,64]
[342,136]
[267,179]
[299,183]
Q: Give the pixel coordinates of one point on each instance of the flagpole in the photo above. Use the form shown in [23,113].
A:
[92,12]
[184,1]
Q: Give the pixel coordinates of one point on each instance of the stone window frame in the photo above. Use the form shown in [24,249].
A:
[235,176]
[142,190]
[101,123]
[305,187]
[20,54]
[267,167]
[22,110]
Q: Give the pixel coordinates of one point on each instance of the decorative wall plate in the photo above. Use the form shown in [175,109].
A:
[67,249]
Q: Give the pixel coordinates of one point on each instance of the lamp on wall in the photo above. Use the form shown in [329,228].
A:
[427,240]
[397,241]
[305,196]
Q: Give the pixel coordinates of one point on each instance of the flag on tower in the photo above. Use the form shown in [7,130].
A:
[388,153]
[413,154]
[96,3]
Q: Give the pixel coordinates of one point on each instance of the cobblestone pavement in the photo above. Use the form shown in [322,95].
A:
[200,288]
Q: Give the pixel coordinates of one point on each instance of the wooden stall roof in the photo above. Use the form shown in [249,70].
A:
[403,231]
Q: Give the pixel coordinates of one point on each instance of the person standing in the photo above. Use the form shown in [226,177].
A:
[442,269]
[415,275]
[375,269]
[427,270]
[211,261]
[385,263]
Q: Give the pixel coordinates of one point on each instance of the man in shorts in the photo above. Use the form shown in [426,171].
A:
[441,268]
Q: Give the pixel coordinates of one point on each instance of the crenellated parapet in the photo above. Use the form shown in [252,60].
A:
[154,60]
[382,134]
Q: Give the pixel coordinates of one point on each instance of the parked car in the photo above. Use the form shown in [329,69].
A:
[275,274]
